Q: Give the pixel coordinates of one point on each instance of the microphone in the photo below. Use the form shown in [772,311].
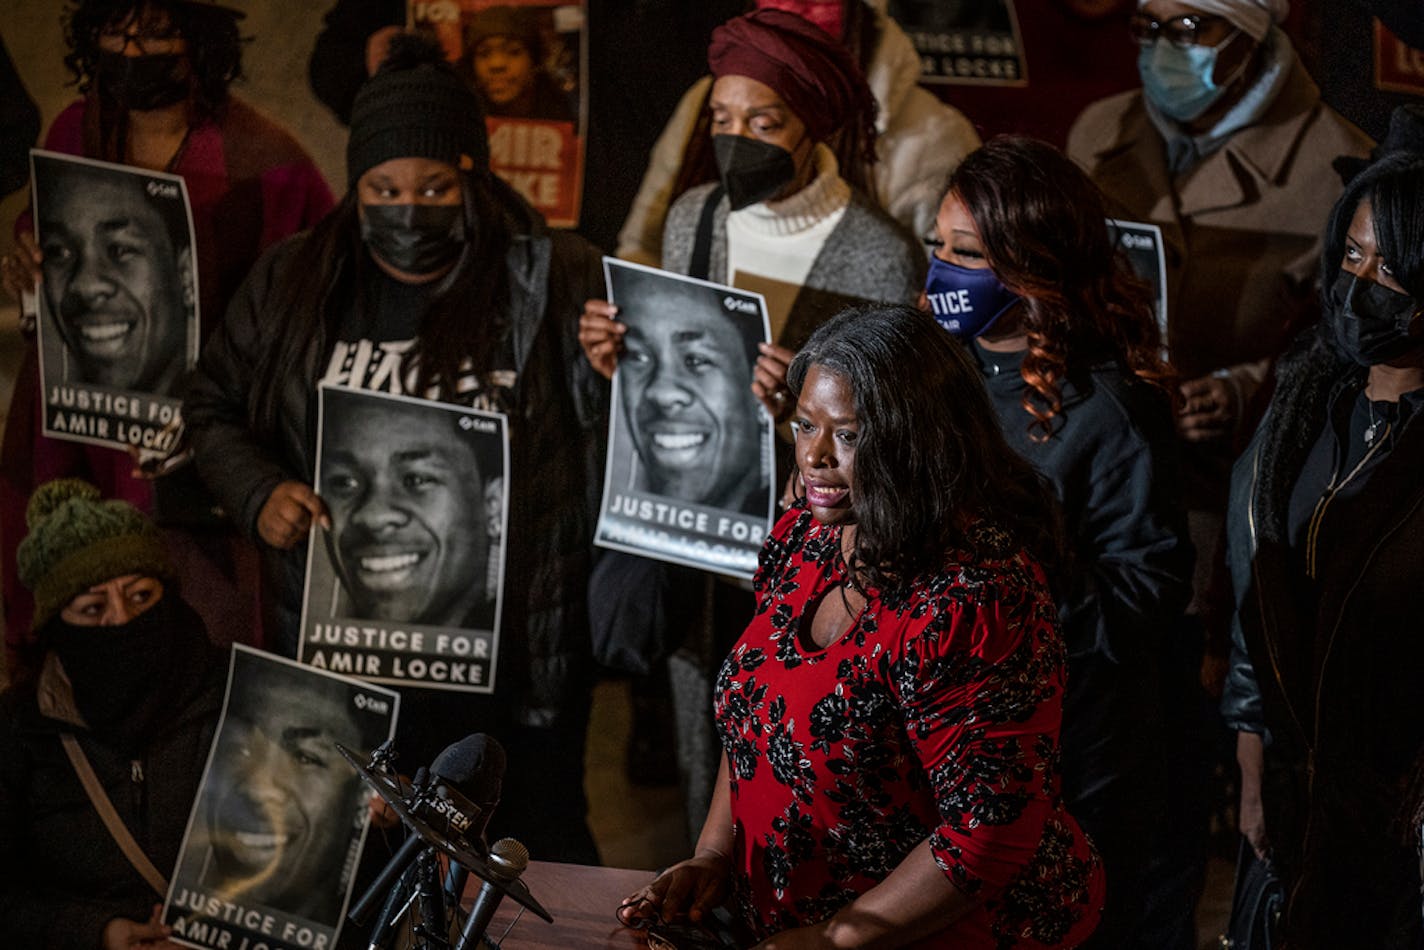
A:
[475,766]
[468,777]
[456,793]
[508,859]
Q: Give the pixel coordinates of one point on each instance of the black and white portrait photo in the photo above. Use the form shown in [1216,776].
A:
[118,298]
[690,452]
[416,494]
[280,816]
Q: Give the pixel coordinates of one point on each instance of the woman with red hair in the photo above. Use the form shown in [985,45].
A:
[1025,275]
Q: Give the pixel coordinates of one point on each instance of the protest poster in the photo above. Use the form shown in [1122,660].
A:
[527,61]
[118,301]
[968,42]
[406,585]
[269,857]
[690,452]
[1142,245]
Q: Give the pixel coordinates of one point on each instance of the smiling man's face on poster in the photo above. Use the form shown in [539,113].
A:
[685,381]
[407,498]
[115,282]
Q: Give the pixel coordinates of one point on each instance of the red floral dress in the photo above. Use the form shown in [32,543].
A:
[935,715]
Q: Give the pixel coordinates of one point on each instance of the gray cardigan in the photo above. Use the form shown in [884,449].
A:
[867,258]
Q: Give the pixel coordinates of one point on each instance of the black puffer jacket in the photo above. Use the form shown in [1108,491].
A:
[1333,680]
[556,437]
[62,876]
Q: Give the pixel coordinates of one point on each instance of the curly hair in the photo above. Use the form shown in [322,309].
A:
[1042,225]
[932,467]
[214,44]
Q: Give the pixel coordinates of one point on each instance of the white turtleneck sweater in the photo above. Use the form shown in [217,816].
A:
[772,245]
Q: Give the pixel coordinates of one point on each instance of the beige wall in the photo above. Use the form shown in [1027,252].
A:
[282,32]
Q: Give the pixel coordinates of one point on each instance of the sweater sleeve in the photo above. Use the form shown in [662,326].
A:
[295,197]
[981,694]
[239,468]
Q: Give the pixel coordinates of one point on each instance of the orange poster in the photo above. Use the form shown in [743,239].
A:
[527,62]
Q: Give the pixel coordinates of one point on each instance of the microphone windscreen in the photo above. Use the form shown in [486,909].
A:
[474,766]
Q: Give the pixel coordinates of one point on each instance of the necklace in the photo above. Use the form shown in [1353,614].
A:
[1372,430]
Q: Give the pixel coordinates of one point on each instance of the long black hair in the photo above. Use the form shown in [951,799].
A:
[467,312]
[1394,187]
[214,44]
[1040,219]
[932,467]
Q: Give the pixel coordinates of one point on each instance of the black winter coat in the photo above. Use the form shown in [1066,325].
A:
[62,876]
[556,438]
[1335,686]
[1112,460]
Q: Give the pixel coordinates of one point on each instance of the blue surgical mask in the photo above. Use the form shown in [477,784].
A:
[964,301]
[1179,80]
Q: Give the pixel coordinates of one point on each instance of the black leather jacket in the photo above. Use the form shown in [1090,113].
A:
[1330,670]
[556,438]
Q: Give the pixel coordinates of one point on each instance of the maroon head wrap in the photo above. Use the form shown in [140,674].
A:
[815,76]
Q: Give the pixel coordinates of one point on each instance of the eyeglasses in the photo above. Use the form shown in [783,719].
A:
[148,41]
[1180,31]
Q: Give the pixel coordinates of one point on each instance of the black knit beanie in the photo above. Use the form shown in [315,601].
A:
[416,106]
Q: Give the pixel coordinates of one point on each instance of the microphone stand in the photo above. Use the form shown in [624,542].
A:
[411,881]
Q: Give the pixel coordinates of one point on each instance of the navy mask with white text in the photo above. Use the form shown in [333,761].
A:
[965,301]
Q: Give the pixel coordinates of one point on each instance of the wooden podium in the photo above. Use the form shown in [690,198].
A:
[582,900]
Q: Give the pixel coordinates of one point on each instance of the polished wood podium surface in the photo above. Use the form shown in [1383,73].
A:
[582,901]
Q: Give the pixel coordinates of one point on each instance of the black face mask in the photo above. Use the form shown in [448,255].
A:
[1371,322]
[140,83]
[118,672]
[751,170]
[415,239]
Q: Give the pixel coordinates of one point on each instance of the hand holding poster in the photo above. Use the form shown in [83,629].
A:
[690,452]
[526,61]
[118,326]
[406,585]
[270,854]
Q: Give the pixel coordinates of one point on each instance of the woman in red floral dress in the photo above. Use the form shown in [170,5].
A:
[891,715]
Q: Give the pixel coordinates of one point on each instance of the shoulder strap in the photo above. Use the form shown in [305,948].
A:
[701,261]
[112,821]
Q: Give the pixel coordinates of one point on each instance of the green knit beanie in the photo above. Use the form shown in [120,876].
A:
[76,541]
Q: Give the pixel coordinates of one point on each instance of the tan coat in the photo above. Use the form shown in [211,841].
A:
[1242,229]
